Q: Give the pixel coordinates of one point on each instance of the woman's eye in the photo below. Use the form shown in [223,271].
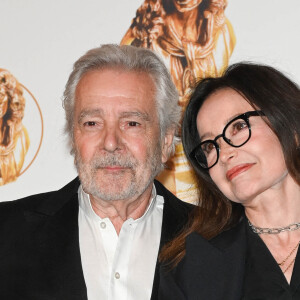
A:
[239,126]
[208,148]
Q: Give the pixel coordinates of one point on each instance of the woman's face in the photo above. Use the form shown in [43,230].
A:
[248,171]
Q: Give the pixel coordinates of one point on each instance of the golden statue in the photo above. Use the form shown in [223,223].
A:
[14,139]
[195,40]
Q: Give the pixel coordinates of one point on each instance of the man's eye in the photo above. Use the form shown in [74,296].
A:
[133,124]
[89,123]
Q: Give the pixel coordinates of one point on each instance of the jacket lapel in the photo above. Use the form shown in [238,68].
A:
[58,240]
[58,263]
[211,270]
[175,216]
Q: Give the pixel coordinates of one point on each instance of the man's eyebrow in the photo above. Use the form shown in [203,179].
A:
[138,114]
[90,113]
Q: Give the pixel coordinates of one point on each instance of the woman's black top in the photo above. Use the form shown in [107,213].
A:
[263,277]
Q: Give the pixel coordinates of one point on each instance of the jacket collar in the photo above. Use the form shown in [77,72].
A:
[210,269]
[57,238]
[51,214]
[51,205]
[175,214]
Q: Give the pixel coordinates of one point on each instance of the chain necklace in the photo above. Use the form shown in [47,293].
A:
[291,263]
[290,227]
[260,230]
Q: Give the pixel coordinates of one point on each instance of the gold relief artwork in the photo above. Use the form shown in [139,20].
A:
[195,40]
[14,139]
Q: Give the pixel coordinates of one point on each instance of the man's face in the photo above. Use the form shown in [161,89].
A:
[117,143]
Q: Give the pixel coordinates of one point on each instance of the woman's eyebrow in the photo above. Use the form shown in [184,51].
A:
[232,117]
[209,134]
[205,136]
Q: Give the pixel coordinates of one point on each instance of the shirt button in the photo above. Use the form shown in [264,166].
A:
[103,225]
[117,275]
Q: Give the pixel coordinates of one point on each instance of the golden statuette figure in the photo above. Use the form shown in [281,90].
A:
[196,40]
[14,139]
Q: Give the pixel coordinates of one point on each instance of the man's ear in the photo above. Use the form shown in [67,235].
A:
[167,145]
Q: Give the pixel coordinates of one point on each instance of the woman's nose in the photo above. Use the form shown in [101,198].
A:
[227,151]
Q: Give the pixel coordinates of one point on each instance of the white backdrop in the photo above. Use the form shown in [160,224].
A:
[41,39]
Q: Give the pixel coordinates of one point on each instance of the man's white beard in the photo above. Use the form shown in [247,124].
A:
[114,189]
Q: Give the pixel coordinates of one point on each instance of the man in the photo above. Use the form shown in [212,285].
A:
[99,236]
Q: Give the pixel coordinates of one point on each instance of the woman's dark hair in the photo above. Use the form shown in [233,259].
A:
[264,88]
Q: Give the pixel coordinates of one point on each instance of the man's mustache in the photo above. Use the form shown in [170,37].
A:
[99,162]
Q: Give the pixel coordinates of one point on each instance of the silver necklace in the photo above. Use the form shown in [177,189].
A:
[260,230]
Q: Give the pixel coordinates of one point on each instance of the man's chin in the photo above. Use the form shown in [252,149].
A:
[110,190]
[111,195]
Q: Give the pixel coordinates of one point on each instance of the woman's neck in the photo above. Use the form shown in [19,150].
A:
[276,207]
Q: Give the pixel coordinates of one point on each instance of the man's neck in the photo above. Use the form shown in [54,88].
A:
[118,211]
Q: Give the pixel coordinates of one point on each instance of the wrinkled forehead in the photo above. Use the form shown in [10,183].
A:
[110,87]
[111,74]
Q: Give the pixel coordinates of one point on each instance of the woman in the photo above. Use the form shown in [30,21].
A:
[241,134]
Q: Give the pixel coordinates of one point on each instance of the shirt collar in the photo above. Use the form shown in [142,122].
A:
[86,206]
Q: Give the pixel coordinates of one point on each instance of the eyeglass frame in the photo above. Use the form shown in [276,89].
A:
[245,116]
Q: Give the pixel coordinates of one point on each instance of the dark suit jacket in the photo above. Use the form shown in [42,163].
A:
[39,246]
[210,270]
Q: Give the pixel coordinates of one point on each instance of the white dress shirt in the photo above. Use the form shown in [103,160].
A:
[119,267]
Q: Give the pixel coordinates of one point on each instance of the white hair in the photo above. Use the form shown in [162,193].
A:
[128,58]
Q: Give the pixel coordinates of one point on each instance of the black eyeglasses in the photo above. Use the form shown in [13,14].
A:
[236,133]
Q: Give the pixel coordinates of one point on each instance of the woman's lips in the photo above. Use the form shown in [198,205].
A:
[235,171]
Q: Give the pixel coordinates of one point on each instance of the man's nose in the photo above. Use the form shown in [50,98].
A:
[112,139]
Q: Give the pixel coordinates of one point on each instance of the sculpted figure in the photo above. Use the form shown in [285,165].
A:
[194,37]
[195,40]
[14,139]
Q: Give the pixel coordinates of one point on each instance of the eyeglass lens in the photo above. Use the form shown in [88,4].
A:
[236,133]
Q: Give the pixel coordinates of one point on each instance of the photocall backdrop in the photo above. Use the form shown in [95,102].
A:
[40,40]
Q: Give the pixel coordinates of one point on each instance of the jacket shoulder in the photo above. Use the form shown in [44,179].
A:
[171,200]
[32,202]
[211,269]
